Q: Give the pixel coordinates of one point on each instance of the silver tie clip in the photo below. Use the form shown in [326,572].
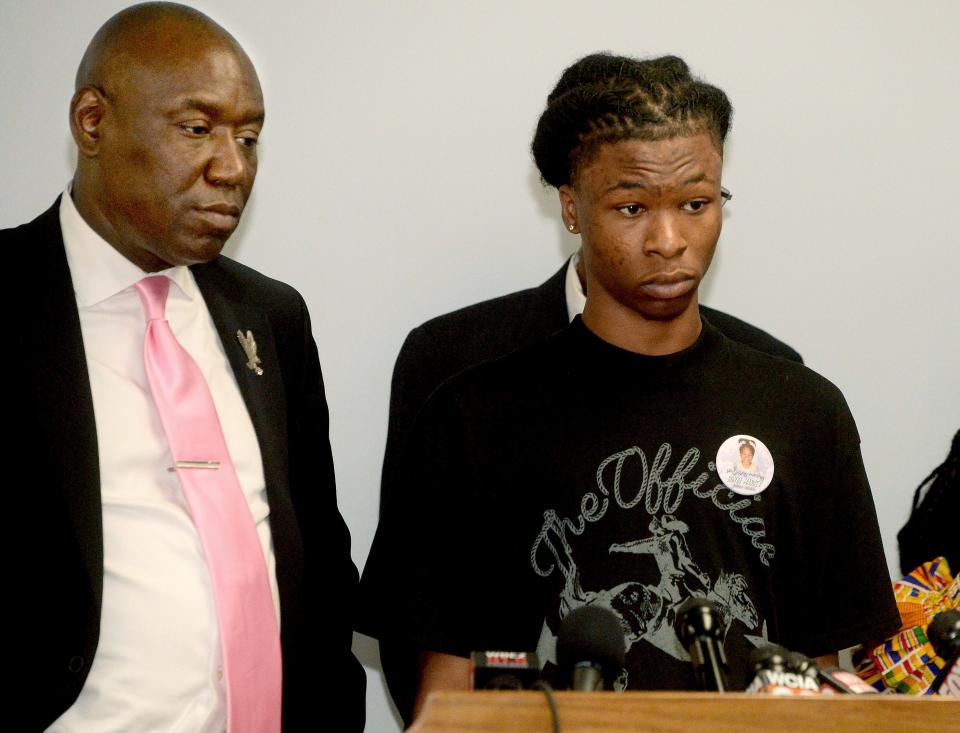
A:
[210,465]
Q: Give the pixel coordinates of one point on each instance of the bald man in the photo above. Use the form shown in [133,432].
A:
[121,616]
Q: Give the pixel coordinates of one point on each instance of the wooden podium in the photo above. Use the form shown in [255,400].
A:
[679,712]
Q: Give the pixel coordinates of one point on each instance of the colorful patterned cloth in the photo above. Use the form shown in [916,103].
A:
[906,662]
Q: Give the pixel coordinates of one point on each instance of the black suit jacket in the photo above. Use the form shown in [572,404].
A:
[436,351]
[59,512]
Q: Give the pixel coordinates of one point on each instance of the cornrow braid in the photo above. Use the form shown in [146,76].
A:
[604,98]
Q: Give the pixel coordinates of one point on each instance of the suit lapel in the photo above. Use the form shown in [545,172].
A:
[263,394]
[57,364]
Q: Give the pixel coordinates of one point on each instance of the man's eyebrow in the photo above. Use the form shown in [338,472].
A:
[213,110]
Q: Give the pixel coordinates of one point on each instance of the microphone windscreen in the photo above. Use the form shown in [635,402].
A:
[769,656]
[696,618]
[592,634]
[944,634]
[781,672]
[802,664]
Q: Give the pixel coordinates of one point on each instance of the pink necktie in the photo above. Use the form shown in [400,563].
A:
[241,588]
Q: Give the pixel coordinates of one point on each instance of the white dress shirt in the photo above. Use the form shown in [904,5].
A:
[158,662]
[573,289]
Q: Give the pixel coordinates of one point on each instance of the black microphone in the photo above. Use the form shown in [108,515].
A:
[698,628]
[803,666]
[944,634]
[781,672]
[591,648]
[769,658]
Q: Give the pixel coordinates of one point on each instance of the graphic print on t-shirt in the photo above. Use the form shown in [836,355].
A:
[644,594]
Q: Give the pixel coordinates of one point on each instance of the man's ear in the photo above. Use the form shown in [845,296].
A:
[568,208]
[87,111]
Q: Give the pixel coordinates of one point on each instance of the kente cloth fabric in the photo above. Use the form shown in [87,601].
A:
[906,662]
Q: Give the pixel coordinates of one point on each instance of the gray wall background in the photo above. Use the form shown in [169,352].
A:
[395,184]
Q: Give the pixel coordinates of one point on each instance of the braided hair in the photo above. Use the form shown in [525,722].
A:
[604,98]
[931,529]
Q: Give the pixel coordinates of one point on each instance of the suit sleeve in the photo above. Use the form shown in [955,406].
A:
[335,680]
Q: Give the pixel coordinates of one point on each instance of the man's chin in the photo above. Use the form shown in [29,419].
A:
[666,310]
[199,250]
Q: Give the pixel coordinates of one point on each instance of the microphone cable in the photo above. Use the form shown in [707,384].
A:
[549,693]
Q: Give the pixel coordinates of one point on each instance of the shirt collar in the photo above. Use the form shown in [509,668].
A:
[97,269]
[573,288]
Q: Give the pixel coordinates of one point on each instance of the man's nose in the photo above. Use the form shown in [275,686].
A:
[663,235]
[228,165]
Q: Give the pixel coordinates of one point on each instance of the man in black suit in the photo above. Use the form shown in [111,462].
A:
[448,344]
[116,626]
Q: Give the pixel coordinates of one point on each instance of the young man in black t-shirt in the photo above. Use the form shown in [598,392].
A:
[637,458]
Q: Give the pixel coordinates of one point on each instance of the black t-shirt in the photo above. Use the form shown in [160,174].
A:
[575,473]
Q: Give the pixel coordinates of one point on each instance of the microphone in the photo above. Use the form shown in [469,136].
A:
[591,648]
[698,628]
[771,658]
[781,672]
[500,670]
[803,666]
[944,634]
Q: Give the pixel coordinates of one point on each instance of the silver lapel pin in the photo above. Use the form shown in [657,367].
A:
[250,349]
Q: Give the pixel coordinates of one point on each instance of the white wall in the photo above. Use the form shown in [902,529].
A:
[396,184]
